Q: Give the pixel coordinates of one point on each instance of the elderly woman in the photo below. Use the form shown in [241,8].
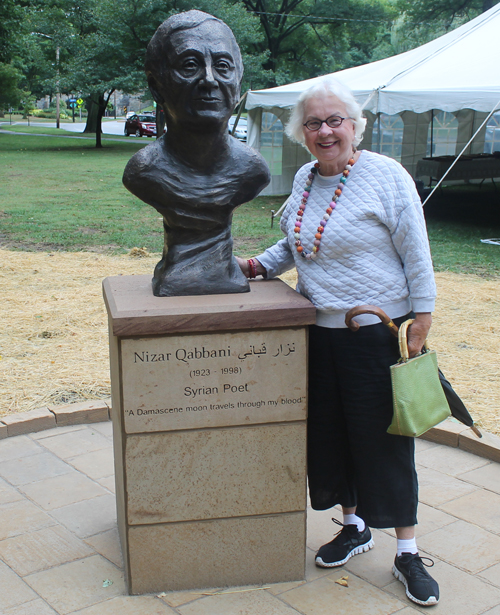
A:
[355,231]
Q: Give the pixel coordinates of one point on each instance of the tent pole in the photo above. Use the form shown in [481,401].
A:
[495,108]
[378,133]
[432,131]
[241,106]
[277,213]
[363,106]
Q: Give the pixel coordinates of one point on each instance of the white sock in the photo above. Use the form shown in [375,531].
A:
[355,520]
[407,546]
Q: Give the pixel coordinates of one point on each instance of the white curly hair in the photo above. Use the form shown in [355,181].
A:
[324,87]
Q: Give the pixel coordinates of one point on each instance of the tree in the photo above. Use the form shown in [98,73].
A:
[36,61]
[102,43]
[425,20]
[11,20]
[109,51]
[115,36]
[10,94]
[95,58]
[11,24]
[305,38]
[445,10]
[135,21]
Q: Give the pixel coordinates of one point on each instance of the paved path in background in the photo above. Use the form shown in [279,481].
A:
[109,127]
[59,549]
[31,134]
[112,127]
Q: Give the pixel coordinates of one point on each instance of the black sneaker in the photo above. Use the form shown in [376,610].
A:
[348,542]
[420,586]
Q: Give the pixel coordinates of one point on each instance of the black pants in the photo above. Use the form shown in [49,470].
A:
[352,460]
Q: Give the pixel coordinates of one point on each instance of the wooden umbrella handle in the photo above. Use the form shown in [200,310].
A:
[369,309]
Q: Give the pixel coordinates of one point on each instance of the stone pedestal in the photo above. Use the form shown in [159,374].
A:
[209,408]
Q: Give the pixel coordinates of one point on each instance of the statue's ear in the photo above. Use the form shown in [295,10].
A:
[153,88]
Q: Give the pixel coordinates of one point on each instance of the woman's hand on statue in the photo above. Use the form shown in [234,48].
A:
[417,332]
[245,267]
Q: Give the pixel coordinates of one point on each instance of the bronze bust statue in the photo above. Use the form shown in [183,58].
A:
[196,174]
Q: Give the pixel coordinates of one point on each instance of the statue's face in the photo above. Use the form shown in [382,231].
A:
[202,82]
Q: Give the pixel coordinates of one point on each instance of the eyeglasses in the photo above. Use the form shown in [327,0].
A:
[334,121]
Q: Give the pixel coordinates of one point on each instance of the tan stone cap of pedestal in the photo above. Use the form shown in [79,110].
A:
[134,310]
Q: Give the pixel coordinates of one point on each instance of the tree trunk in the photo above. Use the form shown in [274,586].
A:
[101,108]
[93,109]
[101,105]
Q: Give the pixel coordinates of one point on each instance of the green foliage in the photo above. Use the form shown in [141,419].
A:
[49,114]
[445,10]
[425,20]
[44,33]
[306,38]
[131,24]
[35,59]
[102,43]
[10,94]
[11,26]
[27,104]
[11,29]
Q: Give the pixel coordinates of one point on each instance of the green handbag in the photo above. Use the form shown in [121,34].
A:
[418,399]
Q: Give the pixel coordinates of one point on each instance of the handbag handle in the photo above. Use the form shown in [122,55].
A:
[403,340]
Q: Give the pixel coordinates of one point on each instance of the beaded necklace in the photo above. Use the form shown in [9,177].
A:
[305,195]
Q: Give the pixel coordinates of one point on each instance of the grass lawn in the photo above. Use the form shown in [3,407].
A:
[457,219]
[64,194]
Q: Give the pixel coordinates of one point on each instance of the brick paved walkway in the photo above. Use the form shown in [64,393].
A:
[59,550]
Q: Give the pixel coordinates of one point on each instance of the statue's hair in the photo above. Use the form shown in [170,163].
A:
[323,87]
[156,53]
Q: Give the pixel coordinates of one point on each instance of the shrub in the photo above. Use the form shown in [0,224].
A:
[49,114]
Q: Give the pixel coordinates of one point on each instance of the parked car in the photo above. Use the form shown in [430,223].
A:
[241,127]
[140,125]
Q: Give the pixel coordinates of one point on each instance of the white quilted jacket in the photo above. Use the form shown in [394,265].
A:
[374,249]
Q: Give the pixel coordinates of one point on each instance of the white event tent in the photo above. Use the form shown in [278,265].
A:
[458,72]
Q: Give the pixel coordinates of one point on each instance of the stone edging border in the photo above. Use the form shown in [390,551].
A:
[94,411]
[452,433]
[449,432]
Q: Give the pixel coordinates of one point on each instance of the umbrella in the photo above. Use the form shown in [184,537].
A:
[457,407]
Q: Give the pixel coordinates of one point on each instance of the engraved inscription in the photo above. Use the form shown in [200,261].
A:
[193,381]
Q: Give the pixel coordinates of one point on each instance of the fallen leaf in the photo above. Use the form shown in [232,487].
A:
[343,581]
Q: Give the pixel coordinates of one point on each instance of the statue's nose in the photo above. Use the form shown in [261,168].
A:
[208,78]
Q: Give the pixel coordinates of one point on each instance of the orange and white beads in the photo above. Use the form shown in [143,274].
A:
[326,216]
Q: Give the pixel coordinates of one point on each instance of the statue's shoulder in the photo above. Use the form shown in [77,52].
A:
[250,168]
[143,165]
[251,161]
